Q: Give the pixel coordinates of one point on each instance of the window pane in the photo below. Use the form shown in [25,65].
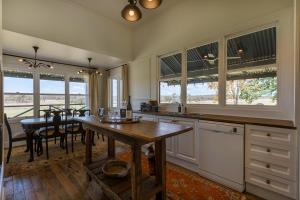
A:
[170,79]
[52,99]
[78,86]
[78,99]
[251,69]
[170,92]
[114,93]
[52,84]
[17,99]
[202,74]
[18,82]
[13,112]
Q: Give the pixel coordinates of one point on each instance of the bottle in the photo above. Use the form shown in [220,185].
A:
[129,109]
[179,108]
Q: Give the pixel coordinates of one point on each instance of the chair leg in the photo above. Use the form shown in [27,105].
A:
[47,153]
[9,152]
[54,139]
[93,140]
[66,138]
[98,136]
[102,137]
[83,137]
[35,144]
[72,141]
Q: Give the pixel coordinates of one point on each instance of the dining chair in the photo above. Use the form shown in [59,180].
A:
[16,138]
[52,130]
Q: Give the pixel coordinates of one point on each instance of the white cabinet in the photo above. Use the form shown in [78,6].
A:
[271,159]
[182,149]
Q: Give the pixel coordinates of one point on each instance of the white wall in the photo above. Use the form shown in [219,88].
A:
[193,22]
[68,23]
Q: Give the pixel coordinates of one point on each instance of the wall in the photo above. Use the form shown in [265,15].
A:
[193,22]
[68,23]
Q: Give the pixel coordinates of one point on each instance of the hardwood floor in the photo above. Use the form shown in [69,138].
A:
[60,177]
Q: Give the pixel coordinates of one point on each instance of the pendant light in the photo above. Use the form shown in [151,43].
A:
[90,70]
[150,4]
[131,12]
[35,63]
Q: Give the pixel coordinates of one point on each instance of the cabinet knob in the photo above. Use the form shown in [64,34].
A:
[268,182]
[268,150]
[268,166]
[269,134]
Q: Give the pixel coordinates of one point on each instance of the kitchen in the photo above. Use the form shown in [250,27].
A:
[226,69]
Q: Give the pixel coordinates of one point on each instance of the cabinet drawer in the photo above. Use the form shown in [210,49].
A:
[270,151]
[269,182]
[271,135]
[281,169]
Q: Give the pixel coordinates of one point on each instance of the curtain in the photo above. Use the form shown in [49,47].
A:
[125,85]
[94,94]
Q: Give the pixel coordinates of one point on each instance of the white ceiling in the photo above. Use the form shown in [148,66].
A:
[112,9]
[21,45]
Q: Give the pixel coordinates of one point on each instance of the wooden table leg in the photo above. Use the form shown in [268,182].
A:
[111,151]
[30,144]
[136,172]
[88,152]
[160,162]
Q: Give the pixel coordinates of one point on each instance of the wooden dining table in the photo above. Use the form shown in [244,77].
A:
[137,186]
[30,125]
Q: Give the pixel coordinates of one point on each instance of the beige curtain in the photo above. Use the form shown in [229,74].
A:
[94,94]
[125,89]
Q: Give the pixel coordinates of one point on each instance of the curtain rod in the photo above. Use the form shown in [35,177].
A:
[6,54]
[115,67]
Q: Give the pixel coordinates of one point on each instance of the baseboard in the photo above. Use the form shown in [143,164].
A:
[266,194]
[190,166]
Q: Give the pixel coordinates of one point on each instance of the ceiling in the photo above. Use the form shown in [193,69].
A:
[112,9]
[21,45]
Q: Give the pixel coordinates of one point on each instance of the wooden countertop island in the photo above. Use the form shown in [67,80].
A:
[137,186]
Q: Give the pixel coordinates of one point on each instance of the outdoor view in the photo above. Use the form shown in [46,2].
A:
[18,93]
[251,69]
[202,74]
[251,77]
[170,79]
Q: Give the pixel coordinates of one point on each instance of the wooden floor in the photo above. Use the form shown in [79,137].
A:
[60,177]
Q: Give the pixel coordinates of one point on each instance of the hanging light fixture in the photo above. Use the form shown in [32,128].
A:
[35,64]
[89,71]
[150,4]
[131,12]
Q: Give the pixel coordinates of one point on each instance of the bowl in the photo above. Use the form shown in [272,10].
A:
[116,168]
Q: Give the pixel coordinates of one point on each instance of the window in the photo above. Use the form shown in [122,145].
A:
[18,94]
[52,91]
[78,93]
[202,74]
[251,69]
[170,79]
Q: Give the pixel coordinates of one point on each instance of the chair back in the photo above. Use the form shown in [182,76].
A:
[56,121]
[82,112]
[8,127]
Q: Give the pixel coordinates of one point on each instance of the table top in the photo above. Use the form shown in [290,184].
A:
[144,130]
[41,120]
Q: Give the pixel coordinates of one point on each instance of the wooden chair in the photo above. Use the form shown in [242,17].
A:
[52,131]
[11,138]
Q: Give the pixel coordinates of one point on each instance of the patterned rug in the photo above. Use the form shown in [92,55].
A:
[182,184]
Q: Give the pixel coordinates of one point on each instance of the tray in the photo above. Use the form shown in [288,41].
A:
[118,120]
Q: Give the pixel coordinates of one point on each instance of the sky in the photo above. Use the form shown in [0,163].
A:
[25,85]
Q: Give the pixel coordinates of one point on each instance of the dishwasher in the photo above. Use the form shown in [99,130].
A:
[221,153]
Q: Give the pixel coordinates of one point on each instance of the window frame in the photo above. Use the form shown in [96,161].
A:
[219,66]
[182,78]
[222,69]
[242,33]
[86,95]
[36,87]
[21,93]
[119,92]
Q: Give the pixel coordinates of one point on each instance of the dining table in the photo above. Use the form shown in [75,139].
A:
[31,125]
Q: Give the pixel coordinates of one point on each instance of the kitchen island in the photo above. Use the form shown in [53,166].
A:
[137,185]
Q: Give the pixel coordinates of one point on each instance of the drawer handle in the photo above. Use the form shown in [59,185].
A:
[269,134]
[268,150]
[268,182]
[268,166]
[174,121]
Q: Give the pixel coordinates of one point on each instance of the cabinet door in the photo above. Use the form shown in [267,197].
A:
[186,143]
[170,147]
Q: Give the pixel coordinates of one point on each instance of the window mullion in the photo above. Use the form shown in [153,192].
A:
[222,72]
[36,93]
[67,91]
[184,77]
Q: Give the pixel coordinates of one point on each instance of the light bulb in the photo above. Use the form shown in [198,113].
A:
[131,13]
